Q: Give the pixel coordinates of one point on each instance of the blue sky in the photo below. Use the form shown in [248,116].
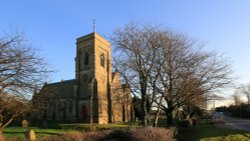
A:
[53,25]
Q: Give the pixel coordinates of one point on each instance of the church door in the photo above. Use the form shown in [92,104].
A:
[84,113]
[123,113]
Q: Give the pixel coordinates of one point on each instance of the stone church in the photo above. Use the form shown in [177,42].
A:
[96,95]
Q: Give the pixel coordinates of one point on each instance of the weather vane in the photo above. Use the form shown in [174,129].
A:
[93,25]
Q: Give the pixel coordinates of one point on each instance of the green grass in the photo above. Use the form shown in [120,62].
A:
[17,133]
[88,127]
[211,133]
[204,132]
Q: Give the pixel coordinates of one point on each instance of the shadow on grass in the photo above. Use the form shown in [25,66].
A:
[199,132]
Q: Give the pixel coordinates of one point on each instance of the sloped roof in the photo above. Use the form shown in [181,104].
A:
[64,89]
[115,75]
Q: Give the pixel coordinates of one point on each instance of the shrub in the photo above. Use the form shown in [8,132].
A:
[133,134]
[151,134]
[120,135]
[141,134]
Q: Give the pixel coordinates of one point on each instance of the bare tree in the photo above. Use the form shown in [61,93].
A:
[137,49]
[198,103]
[21,71]
[39,102]
[11,107]
[188,72]
[168,67]
[236,97]
[245,89]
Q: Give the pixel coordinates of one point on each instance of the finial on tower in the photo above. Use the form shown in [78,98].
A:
[93,25]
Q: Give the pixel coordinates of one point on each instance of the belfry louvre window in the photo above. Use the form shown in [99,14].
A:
[86,58]
[102,60]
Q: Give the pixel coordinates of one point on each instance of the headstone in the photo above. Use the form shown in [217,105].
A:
[30,135]
[24,123]
[92,127]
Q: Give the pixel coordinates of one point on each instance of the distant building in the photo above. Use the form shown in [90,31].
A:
[95,95]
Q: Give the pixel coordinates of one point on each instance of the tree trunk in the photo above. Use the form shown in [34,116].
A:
[156,117]
[3,125]
[169,114]
[169,119]
[144,111]
[157,113]
[144,101]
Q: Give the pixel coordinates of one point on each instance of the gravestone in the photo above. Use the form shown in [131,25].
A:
[30,135]
[24,123]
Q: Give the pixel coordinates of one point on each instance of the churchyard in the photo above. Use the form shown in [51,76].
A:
[156,86]
[204,131]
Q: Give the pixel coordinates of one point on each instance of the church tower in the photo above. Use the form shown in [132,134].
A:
[96,95]
[93,77]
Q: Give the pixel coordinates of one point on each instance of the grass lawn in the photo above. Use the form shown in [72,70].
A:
[87,127]
[17,133]
[211,133]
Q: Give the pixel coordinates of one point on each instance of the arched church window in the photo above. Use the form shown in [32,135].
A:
[86,58]
[102,60]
